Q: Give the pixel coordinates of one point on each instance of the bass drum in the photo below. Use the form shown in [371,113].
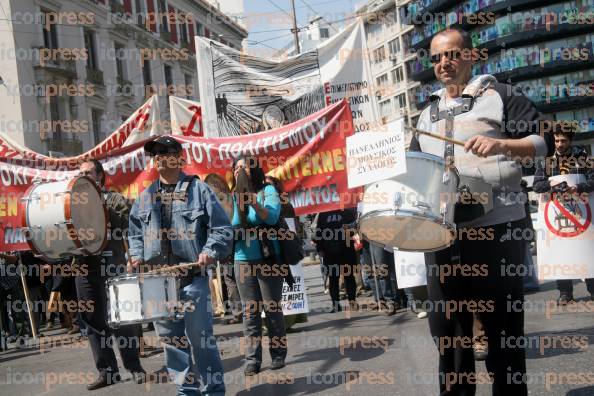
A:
[412,212]
[65,218]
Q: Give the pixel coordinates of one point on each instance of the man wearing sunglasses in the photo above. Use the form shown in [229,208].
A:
[498,126]
[179,219]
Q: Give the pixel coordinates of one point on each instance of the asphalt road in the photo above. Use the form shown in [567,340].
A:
[333,354]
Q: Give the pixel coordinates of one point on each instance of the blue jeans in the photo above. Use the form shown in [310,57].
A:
[194,362]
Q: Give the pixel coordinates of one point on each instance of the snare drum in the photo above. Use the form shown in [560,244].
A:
[138,298]
[65,218]
[414,211]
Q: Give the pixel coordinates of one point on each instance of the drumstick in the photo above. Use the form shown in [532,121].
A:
[172,268]
[436,136]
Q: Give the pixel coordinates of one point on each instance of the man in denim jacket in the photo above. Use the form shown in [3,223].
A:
[179,219]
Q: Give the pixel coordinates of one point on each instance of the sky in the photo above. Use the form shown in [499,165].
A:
[268,26]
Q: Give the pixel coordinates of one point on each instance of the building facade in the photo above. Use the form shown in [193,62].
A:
[74,70]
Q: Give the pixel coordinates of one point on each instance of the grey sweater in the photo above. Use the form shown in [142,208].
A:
[499,111]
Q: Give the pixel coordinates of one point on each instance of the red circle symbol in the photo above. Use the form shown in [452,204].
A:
[579,228]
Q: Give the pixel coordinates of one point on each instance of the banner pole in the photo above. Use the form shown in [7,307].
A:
[27,298]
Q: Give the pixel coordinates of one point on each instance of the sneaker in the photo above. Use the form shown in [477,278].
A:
[336,308]
[480,349]
[73,330]
[564,299]
[421,315]
[277,363]
[252,368]
[389,308]
[104,380]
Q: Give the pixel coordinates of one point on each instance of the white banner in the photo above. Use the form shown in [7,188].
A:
[186,117]
[377,155]
[410,269]
[565,233]
[294,299]
[244,94]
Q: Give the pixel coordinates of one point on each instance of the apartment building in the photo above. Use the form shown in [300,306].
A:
[388,44]
[72,71]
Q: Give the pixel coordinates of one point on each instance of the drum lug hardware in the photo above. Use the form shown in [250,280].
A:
[31,198]
[446,178]
[422,205]
[397,199]
[62,223]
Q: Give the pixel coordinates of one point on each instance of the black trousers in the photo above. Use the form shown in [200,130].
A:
[341,262]
[127,338]
[497,292]
[565,286]
[261,288]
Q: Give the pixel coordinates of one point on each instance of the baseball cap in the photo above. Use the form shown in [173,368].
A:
[163,145]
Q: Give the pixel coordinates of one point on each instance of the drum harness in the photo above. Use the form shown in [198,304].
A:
[448,115]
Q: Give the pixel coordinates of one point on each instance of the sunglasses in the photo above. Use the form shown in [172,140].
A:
[452,55]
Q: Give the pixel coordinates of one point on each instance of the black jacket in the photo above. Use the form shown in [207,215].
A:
[579,163]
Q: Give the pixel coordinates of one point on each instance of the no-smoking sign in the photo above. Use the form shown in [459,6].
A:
[567,218]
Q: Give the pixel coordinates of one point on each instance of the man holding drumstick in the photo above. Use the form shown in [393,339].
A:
[91,287]
[497,125]
[179,219]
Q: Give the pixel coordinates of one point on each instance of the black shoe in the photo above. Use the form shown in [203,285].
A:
[389,309]
[104,380]
[252,368]
[564,299]
[139,376]
[277,363]
[336,308]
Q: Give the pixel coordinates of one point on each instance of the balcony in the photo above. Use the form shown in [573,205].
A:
[95,76]
[124,87]
[50,61]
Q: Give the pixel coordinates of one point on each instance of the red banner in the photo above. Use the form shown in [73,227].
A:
[308,156]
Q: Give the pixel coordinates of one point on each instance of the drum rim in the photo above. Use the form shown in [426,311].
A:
[136,276]
[175,316]
[409,213]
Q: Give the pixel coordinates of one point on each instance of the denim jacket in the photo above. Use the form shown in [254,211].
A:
[200,223]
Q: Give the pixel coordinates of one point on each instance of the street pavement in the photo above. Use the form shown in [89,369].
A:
[365,353]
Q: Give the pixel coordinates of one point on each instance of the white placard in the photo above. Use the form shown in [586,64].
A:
[565,235]
[291,224]
[410,269]
[376,155]
[295,298]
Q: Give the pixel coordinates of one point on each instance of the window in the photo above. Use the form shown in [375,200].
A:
[385,108]
[394,47]
[183,30]
[50,37]
[382,80]
[397,75]
[120,59]
[96,116]
[168,79]
[55,117]
[164,16]
[400,101]
[324,33]
[90,47]
[199,29]
[146,73]
[379,55]
[189,86]
[140,8]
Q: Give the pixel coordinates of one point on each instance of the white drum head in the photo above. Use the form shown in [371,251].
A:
[407,232]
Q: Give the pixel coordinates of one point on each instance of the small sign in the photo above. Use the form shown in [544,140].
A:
[376,155]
